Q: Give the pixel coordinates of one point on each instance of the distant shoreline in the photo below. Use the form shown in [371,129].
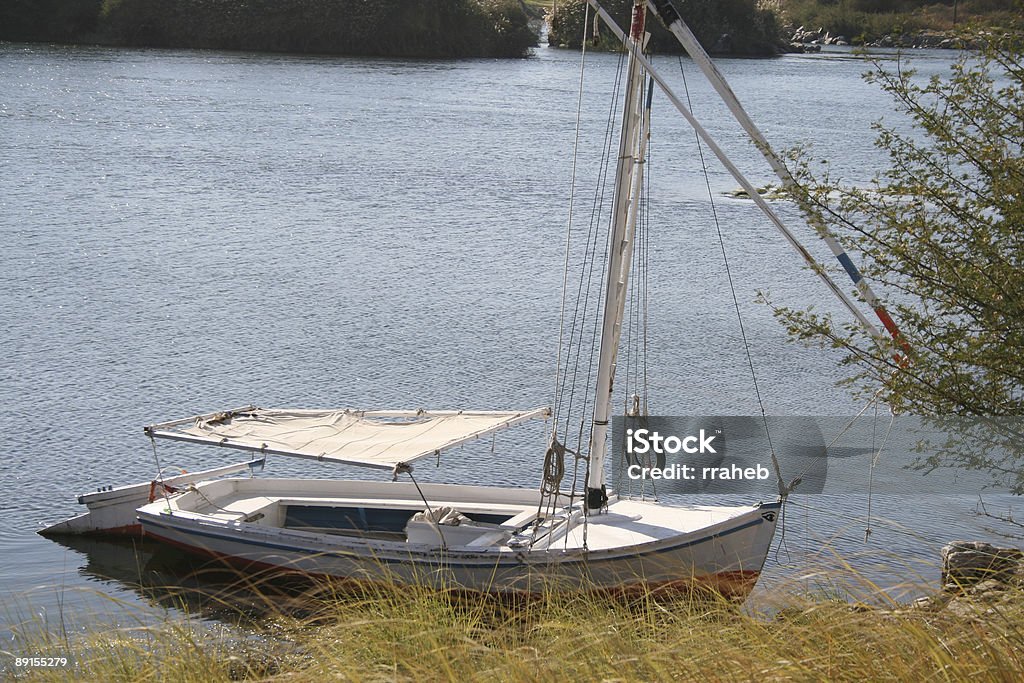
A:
[382,28]
[469,28]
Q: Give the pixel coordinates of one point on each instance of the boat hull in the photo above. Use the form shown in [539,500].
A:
[725,557]
[112,511]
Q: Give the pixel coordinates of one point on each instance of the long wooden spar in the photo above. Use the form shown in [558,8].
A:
[673,21]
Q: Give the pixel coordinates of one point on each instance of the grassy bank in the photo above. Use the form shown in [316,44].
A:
[863,21]
[395,28]
[415,635]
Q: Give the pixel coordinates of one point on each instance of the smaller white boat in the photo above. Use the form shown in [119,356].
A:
[111,510]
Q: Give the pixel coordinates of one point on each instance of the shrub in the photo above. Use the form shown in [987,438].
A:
[722,26]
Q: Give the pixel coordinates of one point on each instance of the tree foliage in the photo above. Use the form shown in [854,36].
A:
[395,28]
[861,20]
[721,26]
[940,234]
[48,20]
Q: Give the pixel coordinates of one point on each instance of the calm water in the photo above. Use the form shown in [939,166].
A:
[188,231]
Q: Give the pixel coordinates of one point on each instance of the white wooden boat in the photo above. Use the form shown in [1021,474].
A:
[369,531]
[475,538]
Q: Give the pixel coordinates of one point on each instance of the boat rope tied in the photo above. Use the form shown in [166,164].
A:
[401,468]
[192,488]
[406,468]
[159,470]
[164,487]
[554,467]
[784,489]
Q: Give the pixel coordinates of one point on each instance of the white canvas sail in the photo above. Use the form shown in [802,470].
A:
[368,438]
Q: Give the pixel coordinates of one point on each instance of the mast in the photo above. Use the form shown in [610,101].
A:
[625,203]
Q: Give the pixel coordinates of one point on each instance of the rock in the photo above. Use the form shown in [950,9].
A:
[931,603]
[989,604]
[966,609]
[806,35]
[976,565]
[802,48]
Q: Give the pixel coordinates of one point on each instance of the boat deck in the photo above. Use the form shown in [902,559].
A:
[632,522]
[342,509]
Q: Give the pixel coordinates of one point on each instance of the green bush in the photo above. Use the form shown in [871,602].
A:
[48,20]
[873,19]
[721,26]
[400,28]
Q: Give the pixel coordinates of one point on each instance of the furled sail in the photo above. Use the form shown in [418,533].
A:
[369,438]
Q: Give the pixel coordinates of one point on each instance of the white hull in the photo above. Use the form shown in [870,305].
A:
[633,546]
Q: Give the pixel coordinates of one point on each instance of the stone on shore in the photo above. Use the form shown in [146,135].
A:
[974,567]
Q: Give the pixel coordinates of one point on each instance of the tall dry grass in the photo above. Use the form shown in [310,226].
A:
[381,633]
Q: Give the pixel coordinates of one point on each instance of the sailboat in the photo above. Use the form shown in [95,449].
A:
[474,538]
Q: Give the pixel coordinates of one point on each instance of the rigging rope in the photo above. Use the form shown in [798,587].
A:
[568,230]
[874,462]
[570,369]
[160,472]
[784,490]
[406,468]
[587,275]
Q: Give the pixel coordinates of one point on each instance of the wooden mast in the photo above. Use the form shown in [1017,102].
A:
[625,203]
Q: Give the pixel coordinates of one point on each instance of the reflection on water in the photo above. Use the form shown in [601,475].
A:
[168,579]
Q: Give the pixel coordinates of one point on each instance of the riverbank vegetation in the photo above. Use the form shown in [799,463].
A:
[482,28]
[395,28]
[865,21]
[418,635]
[738,27]
[939,234]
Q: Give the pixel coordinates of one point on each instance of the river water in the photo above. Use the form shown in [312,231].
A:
[190,231]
